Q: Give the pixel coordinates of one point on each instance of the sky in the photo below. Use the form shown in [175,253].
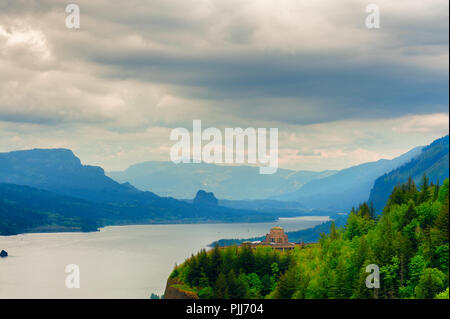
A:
[339,93]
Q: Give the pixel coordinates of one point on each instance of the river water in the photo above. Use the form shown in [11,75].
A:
[115,262]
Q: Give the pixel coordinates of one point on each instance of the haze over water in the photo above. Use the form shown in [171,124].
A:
[116,262]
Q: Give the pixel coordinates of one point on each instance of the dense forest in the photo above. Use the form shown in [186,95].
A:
[409,242]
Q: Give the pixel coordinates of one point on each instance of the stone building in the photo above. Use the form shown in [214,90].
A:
[276,239]
[277,236]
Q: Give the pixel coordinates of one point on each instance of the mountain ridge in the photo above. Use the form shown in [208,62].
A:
[40,172]
[348,187]
[433,162]
[226,182]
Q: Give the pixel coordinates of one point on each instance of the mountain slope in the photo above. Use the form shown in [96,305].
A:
[433,161]
[28,209]
[348,187]
[226,182]
[60,172]
[25,209]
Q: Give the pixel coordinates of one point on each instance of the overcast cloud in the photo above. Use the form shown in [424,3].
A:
[340,94]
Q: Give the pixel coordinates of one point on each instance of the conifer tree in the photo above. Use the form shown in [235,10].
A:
[221,287]
[441,229]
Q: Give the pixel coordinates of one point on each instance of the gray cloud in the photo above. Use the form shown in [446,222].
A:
[140,64]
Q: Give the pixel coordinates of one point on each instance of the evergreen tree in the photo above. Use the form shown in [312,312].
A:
[214,265]
[441,229]
[424,194]
[430,284]
[340,285]
[410,213]
[333,231]
[221,287]
[194,272]
[286,285]
[246,260]
[237,287]
[267,285]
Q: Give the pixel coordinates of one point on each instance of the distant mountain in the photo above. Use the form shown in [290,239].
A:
[79,191]
[433,161]
[348,187]
[226,182]
[60,171]
[263,204]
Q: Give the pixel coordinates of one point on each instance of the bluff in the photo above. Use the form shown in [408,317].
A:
[176,290]
[205,199]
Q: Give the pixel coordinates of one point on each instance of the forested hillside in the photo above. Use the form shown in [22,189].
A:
[28,209]
[409,242]
[25,209]
[433,161]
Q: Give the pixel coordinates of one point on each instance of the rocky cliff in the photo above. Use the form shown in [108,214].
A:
[175,290]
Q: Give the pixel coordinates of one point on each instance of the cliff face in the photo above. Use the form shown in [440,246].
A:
[204,198]
[60,171]
[174,290]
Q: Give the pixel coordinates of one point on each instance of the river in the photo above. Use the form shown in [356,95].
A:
[115,262]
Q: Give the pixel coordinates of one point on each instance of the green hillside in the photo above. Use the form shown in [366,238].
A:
[409,243]
[433,161]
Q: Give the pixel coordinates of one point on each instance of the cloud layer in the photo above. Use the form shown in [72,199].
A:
[136,69]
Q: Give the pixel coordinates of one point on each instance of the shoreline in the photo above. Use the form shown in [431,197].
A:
[58,230]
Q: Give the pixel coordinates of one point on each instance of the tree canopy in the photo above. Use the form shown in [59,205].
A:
[409,242]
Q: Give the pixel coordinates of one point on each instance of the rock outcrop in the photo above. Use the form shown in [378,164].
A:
[205,199]
[175,290]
